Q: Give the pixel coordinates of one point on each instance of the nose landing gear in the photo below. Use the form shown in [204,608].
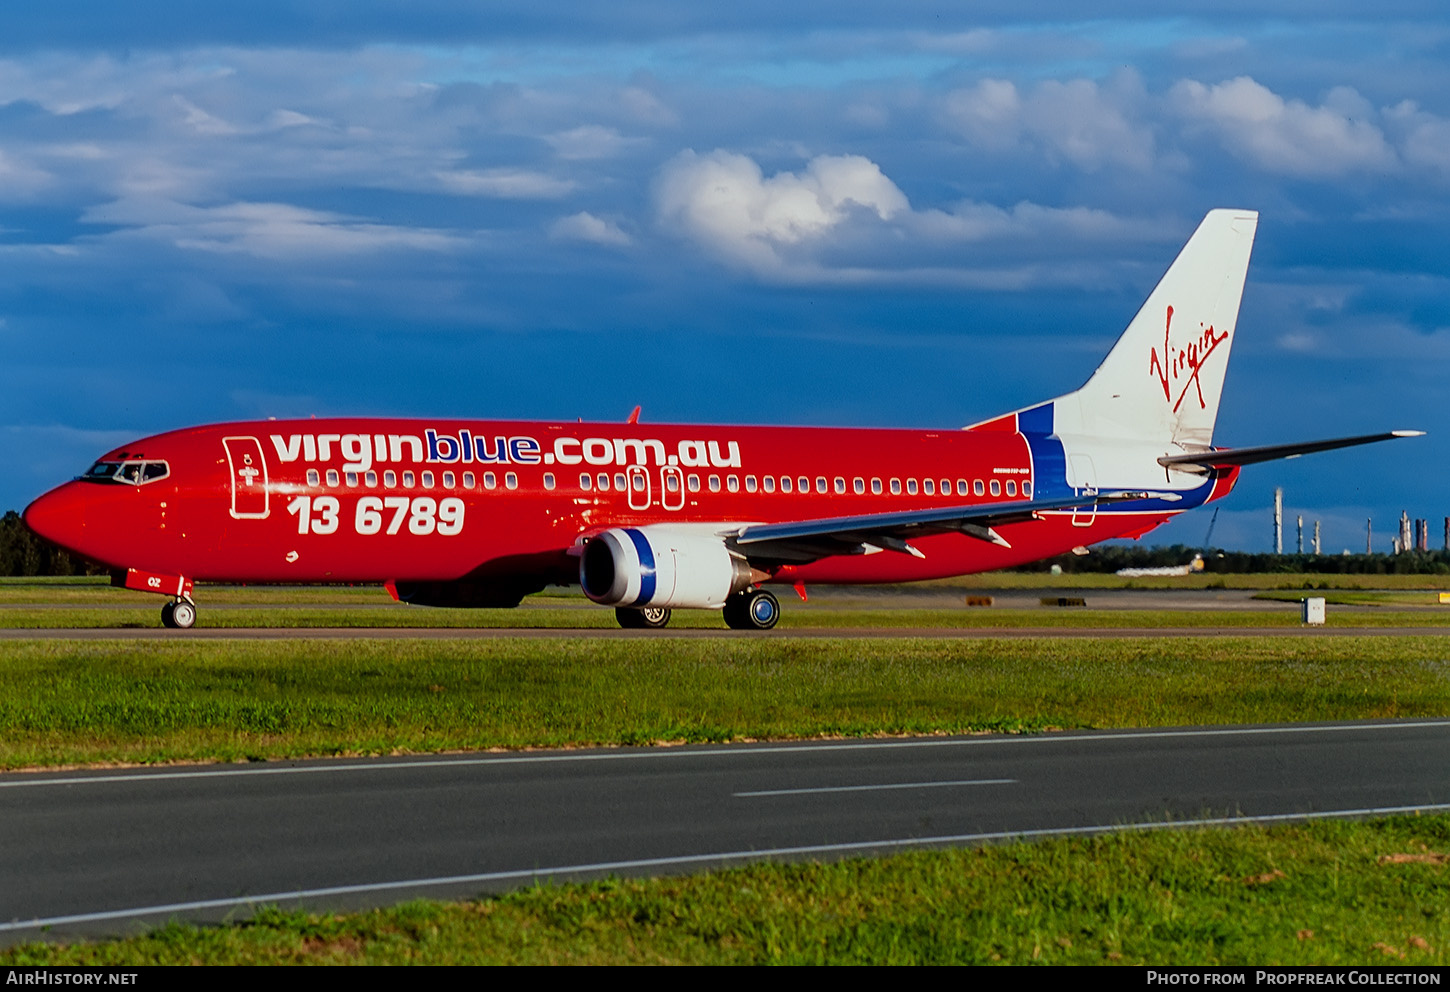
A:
[179,614]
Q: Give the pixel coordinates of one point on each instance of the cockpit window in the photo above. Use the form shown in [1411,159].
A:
[131,473]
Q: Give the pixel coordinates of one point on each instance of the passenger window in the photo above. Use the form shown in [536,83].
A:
[961,487]
[448,480]
[1026,487]
[911,487]
[619,481]
[785,485]
[996,487]
[1011,487]
[946,487]
[332,478]
[603,482]
[694,483]
[928,487]
[714,483]
[548,480]
[370,479]
[585,482]
[977,487]
[803,484]
[732,483]
[896,487]
[840,485]
[859,485]
[469,481]
[427,480]
[313,477]
[876,487]
[351,478]
[672,483]
[390,479]
[750,484]
[768,483]
[490,481]
[510,480]
[408,479]
[820,483]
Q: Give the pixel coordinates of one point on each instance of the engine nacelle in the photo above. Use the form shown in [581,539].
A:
[662,565]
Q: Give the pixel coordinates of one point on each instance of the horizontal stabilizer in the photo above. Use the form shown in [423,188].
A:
[1204,460]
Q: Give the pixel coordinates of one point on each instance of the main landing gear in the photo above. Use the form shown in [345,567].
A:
[750,609]
[649,618]
[179,613]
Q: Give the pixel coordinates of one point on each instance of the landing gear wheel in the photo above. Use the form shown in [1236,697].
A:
[754,609]
[649,618]
[180,614]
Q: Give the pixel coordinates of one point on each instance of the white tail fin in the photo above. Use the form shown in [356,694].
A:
[1163,379]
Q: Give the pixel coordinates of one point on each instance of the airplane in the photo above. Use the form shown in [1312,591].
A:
[648,519]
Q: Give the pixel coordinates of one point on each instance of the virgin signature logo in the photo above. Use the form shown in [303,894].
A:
[1178,369]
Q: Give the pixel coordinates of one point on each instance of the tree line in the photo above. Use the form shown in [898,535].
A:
[1111,557]
[23,552]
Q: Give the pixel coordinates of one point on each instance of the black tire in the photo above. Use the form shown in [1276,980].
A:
[168,615]
[648,618]
[754,609]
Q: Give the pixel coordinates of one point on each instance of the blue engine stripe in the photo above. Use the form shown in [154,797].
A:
[646,566]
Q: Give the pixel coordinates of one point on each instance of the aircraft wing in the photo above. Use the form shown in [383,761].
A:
[1204,460]
[808,540]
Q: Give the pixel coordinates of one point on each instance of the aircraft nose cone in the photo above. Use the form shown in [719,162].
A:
[58,516]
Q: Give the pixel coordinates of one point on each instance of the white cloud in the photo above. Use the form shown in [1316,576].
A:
[724,202]
[265,230]
[1287,136]
[588,141]
[19,179]
[584,226]
[841,219]
[199,120]
[1090,125]
[505,184]
[1425,137]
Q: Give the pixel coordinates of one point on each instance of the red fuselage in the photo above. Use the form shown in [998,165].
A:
[361,500]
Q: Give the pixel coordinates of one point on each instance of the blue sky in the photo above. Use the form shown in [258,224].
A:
[514,210]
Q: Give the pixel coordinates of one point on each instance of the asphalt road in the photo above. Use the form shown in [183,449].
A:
[99,852]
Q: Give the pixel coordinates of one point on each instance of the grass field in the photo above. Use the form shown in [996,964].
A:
[1316,893]
[1373,893]
[65,702]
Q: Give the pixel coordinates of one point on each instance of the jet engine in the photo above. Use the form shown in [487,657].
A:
[663,566]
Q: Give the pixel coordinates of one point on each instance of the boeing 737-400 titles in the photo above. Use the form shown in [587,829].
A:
[652,518]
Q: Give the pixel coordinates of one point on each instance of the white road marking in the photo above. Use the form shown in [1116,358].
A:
[697,859]
[625,754]
[874,788]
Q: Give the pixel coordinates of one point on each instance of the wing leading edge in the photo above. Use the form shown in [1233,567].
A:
[808,540]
